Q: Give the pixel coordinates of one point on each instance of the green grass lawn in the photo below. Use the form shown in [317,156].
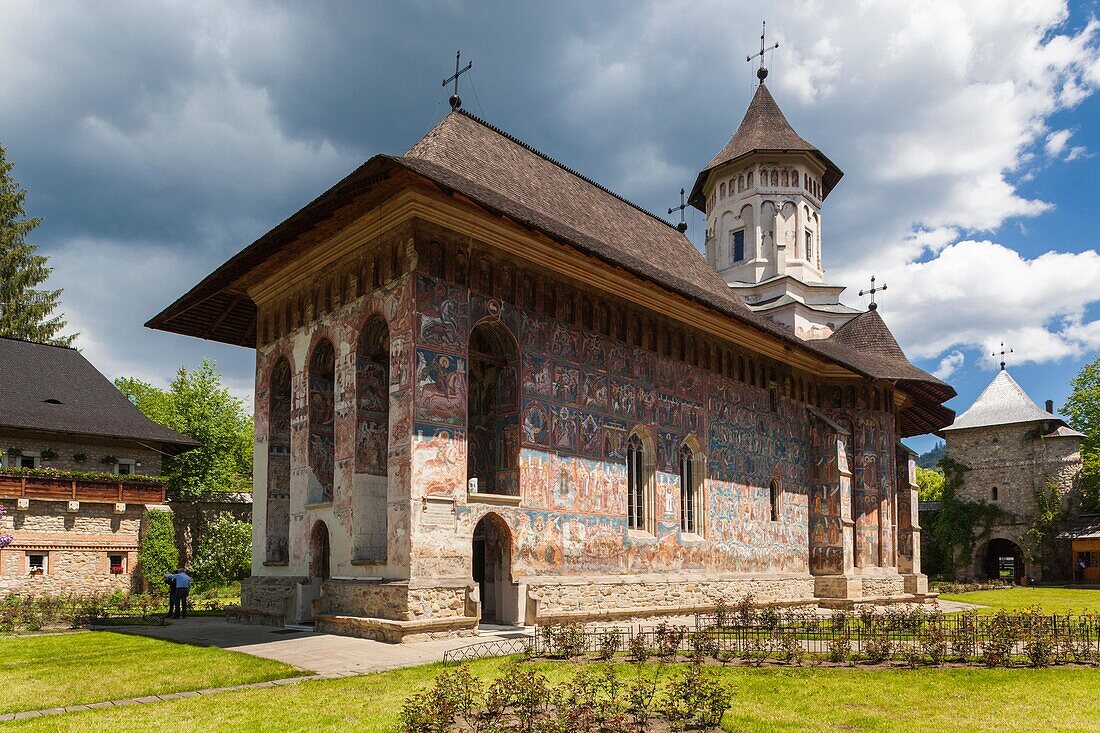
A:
[1050,600]
[771,699]
[70,669]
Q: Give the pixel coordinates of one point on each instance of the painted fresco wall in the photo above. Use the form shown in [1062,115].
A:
[359,494]
[582,393]
[871,455]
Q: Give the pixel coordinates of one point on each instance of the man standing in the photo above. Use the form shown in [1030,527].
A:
[1079,570]
[178,603]
[170,579]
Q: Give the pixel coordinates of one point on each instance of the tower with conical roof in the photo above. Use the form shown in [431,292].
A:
[1014,451]
[762,195]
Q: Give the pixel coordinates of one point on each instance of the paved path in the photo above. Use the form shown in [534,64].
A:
[327,655]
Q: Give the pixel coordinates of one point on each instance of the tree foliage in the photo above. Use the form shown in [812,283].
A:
[1040,540]
[225,553]
[158,554]
[198,405]
[929,484]
[26,312]
[1082,411]
[957,527]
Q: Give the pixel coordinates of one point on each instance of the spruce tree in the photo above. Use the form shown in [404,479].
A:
[26,312]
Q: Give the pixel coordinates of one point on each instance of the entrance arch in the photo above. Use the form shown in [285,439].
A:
[319,552]
[492,571]
[1003,560]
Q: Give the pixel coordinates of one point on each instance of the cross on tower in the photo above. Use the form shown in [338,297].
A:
[682,226]
[871,292]
[762,72]
[455,100]
[1002,353]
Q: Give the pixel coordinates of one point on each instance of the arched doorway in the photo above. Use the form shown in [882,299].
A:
[493,410]
[319,552]
[1004,560]
[492,571]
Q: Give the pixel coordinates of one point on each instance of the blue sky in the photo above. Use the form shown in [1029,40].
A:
[157,139]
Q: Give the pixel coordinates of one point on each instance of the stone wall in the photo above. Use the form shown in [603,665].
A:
[77,546]
[596,598]
[94,450]
[191,518]
[401,600]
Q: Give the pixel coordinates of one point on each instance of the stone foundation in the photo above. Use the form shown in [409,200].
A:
[640,597]
[267,600]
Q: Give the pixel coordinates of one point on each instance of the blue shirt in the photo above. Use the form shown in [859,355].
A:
[183,580]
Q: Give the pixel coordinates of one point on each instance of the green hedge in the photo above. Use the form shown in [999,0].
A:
[158,554]
[80,475]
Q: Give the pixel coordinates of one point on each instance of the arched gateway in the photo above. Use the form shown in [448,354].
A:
[492,571]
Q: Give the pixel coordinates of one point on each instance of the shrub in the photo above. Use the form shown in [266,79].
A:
[225,553]
[608,643]
[933,642]
[790,648]
[668,639]
[639,649]
[878,649]
[703,644]
[696,698]
[840,648]
[964,643]
[157,555]
[745,609]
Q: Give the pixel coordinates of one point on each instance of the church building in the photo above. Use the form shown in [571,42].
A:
[489,388]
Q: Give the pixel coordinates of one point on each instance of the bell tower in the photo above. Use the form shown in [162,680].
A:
[762,195]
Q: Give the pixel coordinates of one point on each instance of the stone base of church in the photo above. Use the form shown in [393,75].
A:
[637,596]
[268,600]
[396,632]
[858,586]
[915,583]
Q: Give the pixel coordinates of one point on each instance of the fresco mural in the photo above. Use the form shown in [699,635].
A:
[826,486]
[277,547]
[440,388]
[322,415]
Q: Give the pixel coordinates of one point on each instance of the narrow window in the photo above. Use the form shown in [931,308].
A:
[809,245]
[722,191]
[737,245]
[635,479]
[773,399]
[773,500]
[117,564]
[993,494]
[689,491]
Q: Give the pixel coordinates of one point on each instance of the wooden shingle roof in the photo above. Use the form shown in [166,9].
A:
[55,389]
[504,176]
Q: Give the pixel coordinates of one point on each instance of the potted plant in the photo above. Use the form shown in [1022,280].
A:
[109,460]
[47,454]
[80,457]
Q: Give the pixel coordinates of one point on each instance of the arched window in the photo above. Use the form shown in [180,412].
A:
[773,500]
[691,491]
[322,414]
[435,259]
[722,191]
[492,405]
[775,178]
[638,477]
[277,535]
[372,410]
[749,183]
[460,268]
[994,494]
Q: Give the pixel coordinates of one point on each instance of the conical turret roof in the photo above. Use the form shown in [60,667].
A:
[763,129]
[1003,402]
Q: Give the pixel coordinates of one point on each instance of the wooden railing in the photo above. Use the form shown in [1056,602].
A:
[146,490]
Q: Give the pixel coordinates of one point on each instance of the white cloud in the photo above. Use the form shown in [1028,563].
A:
[1056,142]
[949,365]
[978,293]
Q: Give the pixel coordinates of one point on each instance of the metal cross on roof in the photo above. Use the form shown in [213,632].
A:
[682,226]
[1002,353]
[762,72]
[871,292]
[455,100]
